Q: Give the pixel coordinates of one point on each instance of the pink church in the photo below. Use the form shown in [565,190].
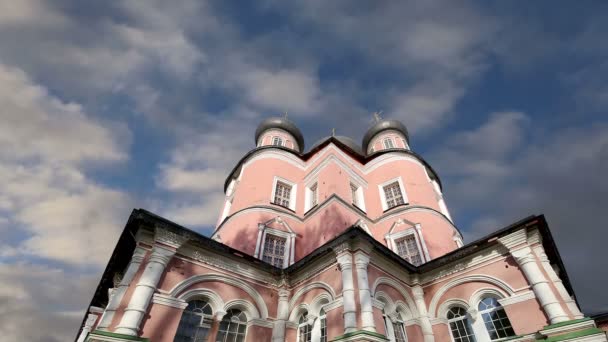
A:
[345,242]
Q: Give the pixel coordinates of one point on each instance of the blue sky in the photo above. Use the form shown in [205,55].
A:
[107,107]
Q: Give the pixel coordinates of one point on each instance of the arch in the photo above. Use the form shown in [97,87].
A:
[245,306]
[468,279]
[259,301]
[216,302]
[480,294]
[318,302]
[296,312]
[313,285]
[403,310]
[394,284]
[389,304]
[442,312]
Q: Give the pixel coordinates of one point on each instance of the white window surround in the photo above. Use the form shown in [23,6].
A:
[475,317]
[405,145]
[292,197]
[392,238]
[289,237]
[388,142]
[308,200]
[360,199]
[383,195]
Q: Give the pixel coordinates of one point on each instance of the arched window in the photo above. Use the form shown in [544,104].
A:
[388,143]
[495,319]
[195,323]
[323,318]
[460,326]
[233,327]
[304,329]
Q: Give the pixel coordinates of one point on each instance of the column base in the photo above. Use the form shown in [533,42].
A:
[361,336]
[106,336]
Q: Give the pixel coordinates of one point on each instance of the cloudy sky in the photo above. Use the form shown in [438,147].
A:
[108,106]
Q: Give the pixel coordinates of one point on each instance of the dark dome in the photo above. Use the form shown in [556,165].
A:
[345,140]
[280,123]
[384,125]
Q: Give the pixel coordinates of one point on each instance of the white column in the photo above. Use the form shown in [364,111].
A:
[559,285]
[258,243]
[119,292]
[526,261]
[345,261]
[315,334]
[365,297]
[425,322]
[88,325]
[278,332]
[135,311]
[292,251]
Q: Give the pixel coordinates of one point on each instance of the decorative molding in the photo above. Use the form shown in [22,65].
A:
[260,323]
[170,301]
[337,303]
[517,298]
[469,263]
[249,309]
[515,239]
[261,305]
[312,270]
[400,288]
[216,302]
[467,279]
[315,285]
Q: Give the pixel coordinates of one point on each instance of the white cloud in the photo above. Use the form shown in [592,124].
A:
[39,303]
[44,143]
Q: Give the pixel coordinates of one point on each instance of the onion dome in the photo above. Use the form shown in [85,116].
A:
[283,124]
[381,126]
[344,140]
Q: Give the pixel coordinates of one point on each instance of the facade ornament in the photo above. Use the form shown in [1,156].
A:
[169,238]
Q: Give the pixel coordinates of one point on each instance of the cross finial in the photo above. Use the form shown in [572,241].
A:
[285,115]
[377,116]
[333,132]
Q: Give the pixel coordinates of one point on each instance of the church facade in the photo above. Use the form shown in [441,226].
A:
[345,242]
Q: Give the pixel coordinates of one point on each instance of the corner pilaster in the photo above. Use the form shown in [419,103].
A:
[344,257]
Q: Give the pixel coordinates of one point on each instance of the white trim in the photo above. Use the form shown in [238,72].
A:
[359,195]
[467,279]
[392,238]
[383,194]
[337,303]
[380,136]
[390,141]
[211,297]
[517,298]
[292,193]
[165,300]
[289,236]
[308,195]
[259,300]
[400,288]
[314,285]
[245,306]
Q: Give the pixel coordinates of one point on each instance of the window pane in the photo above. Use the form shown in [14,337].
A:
[274,250]
[495,319]
[194,324]
[282,194]
[407,248]
[393,195]
[460,326]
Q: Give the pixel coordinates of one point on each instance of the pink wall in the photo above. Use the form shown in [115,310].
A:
[161,322]
[442,332]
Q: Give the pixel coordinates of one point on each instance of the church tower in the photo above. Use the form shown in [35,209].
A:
[281,203]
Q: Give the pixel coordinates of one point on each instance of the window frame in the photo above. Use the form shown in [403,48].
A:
[391,142]
[468,324]
[311,199]
[305,325]
[383,193]
[289,243]
[204,319]
[483,325]
[279,139]
[392,238]
[359,199]
[219,331]
[292,195]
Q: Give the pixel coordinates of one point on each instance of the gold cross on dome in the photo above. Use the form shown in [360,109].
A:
[377,116]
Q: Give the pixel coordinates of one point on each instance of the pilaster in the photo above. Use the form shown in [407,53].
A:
[425,322]
[345,261]
[278,331]
[365,297]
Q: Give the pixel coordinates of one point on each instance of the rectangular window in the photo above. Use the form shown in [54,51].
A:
[274,250]
[277,141]
[388,143]
[353,193]
[314,199]
[282,194]
[407,248]
[393,195]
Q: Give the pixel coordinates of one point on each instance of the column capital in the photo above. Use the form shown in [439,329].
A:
[161,255]
[283,294]
[523,255]
[138,255]
[361,259]
[169,238]
[418,292]
[342,248]
[514,239]
[345,261]
[218,315]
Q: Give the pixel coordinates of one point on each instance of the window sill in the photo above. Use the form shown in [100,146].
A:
[397,206]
